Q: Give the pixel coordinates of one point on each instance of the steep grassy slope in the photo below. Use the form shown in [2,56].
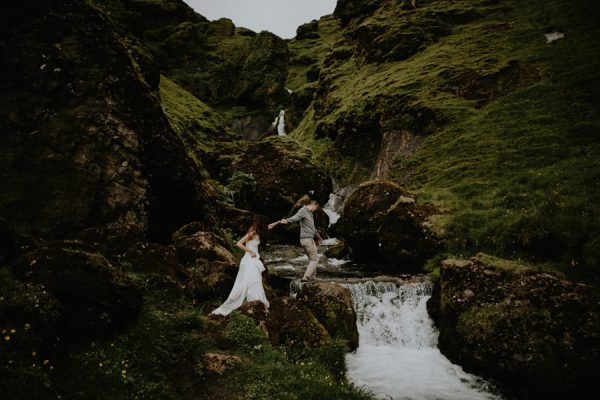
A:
[466,103]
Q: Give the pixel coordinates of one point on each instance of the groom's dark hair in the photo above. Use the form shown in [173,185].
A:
[314,202]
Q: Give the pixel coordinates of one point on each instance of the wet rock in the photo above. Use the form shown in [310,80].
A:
[95,299]
[282,172]
[332,305]
[339,250]
[383,224]
[531,330]
[293,324]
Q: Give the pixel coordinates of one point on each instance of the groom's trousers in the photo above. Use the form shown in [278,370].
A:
[311,251]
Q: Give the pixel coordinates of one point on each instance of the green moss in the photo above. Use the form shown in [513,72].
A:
[281,373]
[510,128]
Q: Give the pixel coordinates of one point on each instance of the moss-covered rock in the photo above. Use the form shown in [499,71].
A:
[153,258]
[113,241]
[383,224]
[531,330]
[332,305]
[282,171]
[294,325]
[193,243]
[95,299]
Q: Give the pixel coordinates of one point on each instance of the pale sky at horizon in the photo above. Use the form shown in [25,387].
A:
[281,17]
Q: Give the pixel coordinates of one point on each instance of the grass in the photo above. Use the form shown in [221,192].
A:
[270,372]
[515,168]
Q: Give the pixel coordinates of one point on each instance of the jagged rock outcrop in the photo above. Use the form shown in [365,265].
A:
[85,142]
[276,172]
[383,224]
[218,63]
[332,305]
[531,330]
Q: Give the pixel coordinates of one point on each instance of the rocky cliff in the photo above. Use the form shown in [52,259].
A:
[85,141]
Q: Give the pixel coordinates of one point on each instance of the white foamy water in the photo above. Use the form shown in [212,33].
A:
[330,242]
[397,357]
[552,36]
[330,209]
[281,123]
[337,262]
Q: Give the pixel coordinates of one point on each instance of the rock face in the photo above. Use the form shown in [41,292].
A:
[531,330]
[332,305]
[278,172]
[292,324]
[383,224]
[84,140]
[193,242]
[94,299]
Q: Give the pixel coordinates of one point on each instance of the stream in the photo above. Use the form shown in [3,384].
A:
[397,357]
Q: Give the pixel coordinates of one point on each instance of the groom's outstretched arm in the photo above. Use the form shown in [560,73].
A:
[296,217]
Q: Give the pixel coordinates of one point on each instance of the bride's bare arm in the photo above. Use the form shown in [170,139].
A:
[240,244]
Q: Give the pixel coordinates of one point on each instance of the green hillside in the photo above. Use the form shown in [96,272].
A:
[467,104]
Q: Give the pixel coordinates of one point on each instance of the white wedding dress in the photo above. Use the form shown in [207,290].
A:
[248,282]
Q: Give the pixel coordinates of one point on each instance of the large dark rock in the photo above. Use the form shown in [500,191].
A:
[201,245]
[279,172]
[113,241]
[153,258]
[94,299]
[383,224]
[531,330]
[85,142]
[293,324]
[332,305]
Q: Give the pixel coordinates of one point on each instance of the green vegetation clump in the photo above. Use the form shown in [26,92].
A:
[269,372]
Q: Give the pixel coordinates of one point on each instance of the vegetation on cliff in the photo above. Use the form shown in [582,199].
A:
[469,105]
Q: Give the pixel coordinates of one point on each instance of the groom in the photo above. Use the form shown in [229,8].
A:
[307,234]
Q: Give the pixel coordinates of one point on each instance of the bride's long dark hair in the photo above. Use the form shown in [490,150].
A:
[259,227]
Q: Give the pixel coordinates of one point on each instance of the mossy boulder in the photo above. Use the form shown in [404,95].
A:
[193,243]
[530,330]
[114,240]
[332,305]
[210,279]
[153,258]
[293,324]
[339,250]
[95,299]
[383,224]
[282,172]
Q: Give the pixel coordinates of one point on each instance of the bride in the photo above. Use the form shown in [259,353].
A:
[248,282]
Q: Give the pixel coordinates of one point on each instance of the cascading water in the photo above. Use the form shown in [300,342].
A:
[397,357]
[281,123]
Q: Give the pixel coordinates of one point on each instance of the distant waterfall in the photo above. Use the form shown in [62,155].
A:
[330,209]
[397,357]
[280,123]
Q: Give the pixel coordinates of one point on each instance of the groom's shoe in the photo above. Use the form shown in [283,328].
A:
[306,279]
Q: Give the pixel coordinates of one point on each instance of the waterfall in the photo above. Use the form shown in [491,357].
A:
[397,357]
[330,209]
[280,122]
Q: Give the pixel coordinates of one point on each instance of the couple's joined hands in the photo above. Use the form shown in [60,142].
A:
[274,224]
